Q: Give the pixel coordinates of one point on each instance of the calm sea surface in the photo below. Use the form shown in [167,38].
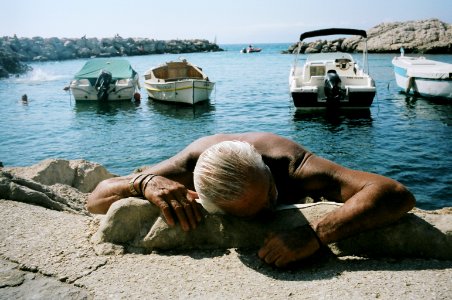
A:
[408,139]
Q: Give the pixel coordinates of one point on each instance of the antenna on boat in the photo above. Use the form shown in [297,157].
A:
[296,57]
[365,59]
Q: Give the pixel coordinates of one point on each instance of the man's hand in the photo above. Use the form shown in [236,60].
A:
[174,198]
[289,246]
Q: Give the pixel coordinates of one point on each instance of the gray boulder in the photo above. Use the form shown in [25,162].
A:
[80,174]
[423,36]
[137,225]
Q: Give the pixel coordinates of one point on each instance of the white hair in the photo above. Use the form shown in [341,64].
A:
[224,172]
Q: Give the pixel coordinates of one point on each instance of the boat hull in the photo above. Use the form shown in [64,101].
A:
[117,92]
[354,100]
[183,91]
[425,87]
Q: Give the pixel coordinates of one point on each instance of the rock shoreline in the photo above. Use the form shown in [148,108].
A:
[15,51]
[52,248]
[426,36]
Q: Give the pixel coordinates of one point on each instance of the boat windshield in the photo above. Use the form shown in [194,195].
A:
[328,56]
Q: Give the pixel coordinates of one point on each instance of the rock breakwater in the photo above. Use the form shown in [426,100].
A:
[15,51]
[424,36]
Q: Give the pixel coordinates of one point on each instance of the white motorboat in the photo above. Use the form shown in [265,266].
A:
[106,79]
[331,80]
[178,81]
[424,77]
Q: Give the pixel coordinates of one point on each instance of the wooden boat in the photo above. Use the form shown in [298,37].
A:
[424,77]
[331,80]
[178,81]
[106,79]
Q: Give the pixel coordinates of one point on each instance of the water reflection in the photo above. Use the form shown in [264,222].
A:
[427,108]
[410,99]
[361,117]
[107,108]
[181,111]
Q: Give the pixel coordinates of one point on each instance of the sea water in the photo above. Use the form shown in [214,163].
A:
[405,138]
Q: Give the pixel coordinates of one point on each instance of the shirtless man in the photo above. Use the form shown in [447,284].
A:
[245,174]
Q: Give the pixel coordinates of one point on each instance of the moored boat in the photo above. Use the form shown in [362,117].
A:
[106,79]
[331,80]
[178,81]
[424,77]
[250,49]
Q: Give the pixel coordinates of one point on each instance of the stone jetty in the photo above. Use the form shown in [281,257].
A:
[15,52]
[424,36]
[52,248]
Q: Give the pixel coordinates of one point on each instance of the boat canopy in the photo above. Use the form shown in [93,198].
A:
[119,68]
[333,31]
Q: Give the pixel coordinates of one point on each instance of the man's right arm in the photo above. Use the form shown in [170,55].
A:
[171,190]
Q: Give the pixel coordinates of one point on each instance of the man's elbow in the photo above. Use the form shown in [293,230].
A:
[405,199]
[95,203]
[92,206]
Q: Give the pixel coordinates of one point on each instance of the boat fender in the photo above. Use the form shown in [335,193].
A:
[102,85]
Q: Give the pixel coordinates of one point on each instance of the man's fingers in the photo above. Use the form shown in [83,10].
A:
[166,211]
[180,214]
[187,210]
[272,256]
[273,251]
[269,245]
[192,196]
[281,261]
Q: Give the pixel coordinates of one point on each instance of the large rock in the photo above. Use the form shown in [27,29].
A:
[80,174]
[138,225]
[423,36]
[426,36]
[45,254]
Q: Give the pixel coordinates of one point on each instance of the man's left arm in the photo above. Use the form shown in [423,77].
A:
[370,201]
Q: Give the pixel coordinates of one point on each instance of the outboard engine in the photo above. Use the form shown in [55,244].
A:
[332,89]
[102,85]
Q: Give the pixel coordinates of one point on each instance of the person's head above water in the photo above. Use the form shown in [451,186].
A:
[232,176]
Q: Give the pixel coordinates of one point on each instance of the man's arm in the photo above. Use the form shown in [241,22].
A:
[172,190]
[370,201]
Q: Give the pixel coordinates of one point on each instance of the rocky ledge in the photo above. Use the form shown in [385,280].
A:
[425,36]
[14,51]
[52,248]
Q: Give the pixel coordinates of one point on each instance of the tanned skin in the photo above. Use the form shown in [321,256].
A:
[370,200]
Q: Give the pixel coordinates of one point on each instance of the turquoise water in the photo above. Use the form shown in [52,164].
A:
[402,137]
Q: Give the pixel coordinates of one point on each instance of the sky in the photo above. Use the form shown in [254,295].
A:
[224,22]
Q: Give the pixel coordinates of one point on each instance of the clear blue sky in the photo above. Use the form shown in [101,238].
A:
[229,21]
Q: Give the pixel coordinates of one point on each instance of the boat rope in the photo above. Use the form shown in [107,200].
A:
[410,85]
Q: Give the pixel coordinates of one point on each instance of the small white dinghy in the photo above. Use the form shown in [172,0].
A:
[424,77]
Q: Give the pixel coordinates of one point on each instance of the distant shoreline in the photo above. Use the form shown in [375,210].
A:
[430,36]
[15,52]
